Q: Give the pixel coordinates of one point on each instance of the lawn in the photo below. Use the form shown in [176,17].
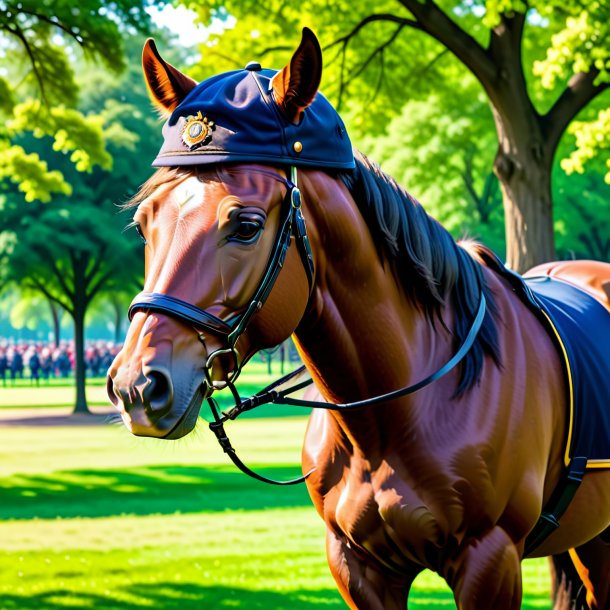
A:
[61,392]
[91,517]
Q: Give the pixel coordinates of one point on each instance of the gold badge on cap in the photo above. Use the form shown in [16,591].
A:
[197,131]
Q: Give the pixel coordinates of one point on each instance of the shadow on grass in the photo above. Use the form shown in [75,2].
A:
[172,596]
[110,416]
[144,491]
[176,596]
[54,419]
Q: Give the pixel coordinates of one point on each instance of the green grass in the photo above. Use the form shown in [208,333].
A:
[61,393]
[91,517]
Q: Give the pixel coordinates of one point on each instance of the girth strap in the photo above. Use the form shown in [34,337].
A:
[557,504]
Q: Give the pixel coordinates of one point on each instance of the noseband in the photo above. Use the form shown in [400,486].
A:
[292,224]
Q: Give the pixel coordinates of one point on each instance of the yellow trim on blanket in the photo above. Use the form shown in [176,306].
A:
[598,464]
[566,457]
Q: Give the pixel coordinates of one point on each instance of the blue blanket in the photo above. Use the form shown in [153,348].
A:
[581,326]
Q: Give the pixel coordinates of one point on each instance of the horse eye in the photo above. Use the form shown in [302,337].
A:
[139,231]
[247,230]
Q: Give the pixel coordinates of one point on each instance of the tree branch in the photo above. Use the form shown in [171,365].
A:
[37,284]
[268,50]
[432,20]
[238,63]
[469,183]
[58,24]
[510,29]
[17,31]
[44,255]
[98,285]
[490,190]
[344,40]
[97,263]
[580,90]
[377,52]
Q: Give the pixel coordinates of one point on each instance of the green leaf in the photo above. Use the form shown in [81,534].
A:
[31,174]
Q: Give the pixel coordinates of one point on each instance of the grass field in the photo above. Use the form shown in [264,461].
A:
[91,517]
[60,392]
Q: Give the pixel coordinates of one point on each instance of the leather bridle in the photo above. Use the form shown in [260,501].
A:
[292,224]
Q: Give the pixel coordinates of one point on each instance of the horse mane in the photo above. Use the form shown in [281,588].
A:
[431,267]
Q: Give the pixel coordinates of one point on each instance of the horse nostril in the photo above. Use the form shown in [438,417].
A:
[158,393]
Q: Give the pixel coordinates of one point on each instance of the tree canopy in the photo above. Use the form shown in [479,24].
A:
[539,64]
[43,47]
[74,247]
[465,102]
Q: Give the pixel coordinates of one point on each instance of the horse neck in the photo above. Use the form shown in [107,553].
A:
[362,335]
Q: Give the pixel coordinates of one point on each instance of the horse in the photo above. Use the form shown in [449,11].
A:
[262,223]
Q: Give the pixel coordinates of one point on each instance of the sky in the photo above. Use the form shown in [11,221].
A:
[182,22]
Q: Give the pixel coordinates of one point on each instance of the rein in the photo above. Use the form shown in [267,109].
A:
[270,395]
[292,224]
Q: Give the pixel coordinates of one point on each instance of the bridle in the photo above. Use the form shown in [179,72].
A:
[292,224]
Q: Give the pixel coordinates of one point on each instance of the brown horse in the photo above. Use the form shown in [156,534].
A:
[451,478]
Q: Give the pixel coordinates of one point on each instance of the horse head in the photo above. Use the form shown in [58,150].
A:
[222,278]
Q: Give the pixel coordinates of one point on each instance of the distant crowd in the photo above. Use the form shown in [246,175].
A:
[43,361]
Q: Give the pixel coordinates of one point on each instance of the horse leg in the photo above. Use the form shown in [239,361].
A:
[362,585]
[486,574]
[592,562]
[567,589]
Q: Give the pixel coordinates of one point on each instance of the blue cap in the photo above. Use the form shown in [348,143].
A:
[232,117]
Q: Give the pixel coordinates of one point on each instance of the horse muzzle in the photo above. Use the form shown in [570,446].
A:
[158,395]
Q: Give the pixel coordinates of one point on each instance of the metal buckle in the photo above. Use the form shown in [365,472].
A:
[295,198]
[231,376]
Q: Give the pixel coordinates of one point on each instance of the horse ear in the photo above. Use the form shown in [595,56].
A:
[295,87]
[166,84]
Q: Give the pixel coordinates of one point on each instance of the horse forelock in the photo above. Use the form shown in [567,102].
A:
[161,177]
[432,269]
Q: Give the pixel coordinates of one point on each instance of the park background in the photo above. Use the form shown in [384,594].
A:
[91,517]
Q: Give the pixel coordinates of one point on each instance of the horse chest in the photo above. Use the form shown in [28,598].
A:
[385,519]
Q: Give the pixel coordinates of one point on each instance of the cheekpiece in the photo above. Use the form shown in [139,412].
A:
[233,118]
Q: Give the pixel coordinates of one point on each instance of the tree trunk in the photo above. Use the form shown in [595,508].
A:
[525,153]
[80,307]
[523,166]
[79,363]
[118,320]
[526,192]
[55,315]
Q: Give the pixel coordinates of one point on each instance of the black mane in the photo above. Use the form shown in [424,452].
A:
[432,269]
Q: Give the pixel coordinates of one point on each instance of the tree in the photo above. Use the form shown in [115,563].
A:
[539,63]
[441,149]
[582,223]
[68,252]
[42,45]
[32,309]
[592,137]
[73,249]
